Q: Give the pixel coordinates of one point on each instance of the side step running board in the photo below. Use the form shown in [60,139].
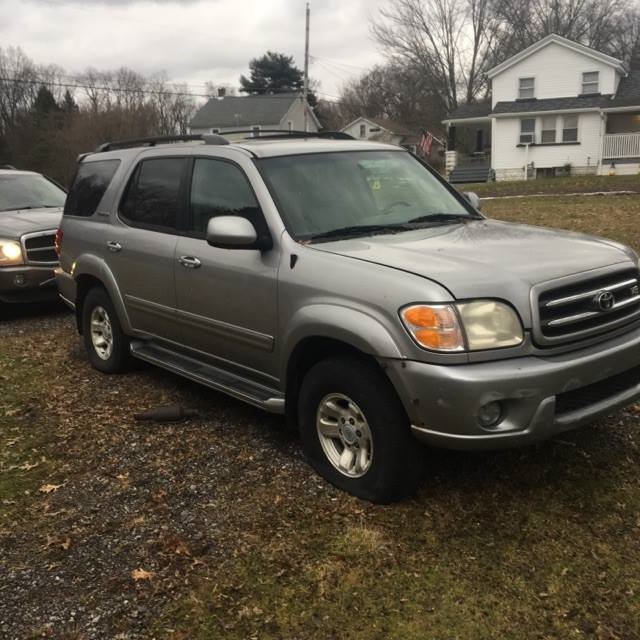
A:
[210,376]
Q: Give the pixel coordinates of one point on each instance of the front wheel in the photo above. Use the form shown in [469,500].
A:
[355,432]
[106,344]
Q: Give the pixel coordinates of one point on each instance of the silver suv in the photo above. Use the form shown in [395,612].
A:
[30,212]
[348,286]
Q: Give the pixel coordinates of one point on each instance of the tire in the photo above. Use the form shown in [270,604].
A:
[111,355]
[388,460]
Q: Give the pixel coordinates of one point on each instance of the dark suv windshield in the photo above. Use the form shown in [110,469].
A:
[358,192]
[28,191]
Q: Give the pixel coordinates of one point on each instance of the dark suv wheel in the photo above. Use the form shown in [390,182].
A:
[106,344]
[355,432]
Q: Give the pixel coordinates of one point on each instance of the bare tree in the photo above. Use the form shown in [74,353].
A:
[447,39]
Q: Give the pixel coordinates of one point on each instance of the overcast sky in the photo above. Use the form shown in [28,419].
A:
[193,41]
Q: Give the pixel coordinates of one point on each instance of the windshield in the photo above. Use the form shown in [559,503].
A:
[28,191]
[358,193]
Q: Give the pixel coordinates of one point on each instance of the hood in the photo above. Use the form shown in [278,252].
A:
[486,258]
[13,224]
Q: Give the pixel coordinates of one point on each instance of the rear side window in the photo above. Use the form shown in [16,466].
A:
[89,185]
[219,188]
[152,198]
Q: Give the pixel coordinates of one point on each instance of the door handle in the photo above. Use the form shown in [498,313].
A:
[114,246]
[189,262]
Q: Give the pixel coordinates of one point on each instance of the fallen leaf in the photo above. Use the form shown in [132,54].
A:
[27,467]
[141,574]
[49,488]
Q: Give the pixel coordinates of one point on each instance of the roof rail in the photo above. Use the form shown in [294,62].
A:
[293,133]
[212,138]
[7,166]
[153,141]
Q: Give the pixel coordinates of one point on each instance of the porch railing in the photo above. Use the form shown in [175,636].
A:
[621,145]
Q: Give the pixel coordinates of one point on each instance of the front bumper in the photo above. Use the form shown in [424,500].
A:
[27,283]
[540,396]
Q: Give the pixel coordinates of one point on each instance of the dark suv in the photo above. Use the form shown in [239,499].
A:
[30,212]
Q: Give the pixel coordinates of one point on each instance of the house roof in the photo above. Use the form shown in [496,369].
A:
[234,111]
[575,103]
[628,94]
[476,110]
[562,41]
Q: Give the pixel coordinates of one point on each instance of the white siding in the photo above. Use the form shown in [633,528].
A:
[558,74]
[507,155]
[373,131]
[295,115]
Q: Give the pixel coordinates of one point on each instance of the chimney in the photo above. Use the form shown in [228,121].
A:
[222,92]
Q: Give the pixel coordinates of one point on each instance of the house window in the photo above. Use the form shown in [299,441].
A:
[548,133]
[363,130]
[215,130]
[570,129]
[527,130]
[526,88]
[289,125]
[255,131]
[590,82]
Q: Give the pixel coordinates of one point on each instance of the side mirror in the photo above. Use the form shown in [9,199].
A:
[232,232]
[473,199]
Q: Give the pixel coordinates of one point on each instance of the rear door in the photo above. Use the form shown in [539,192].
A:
[227,300]
[141,244]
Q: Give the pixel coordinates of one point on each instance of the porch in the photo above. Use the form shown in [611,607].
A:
[621,142]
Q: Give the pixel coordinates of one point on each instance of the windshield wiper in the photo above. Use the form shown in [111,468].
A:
[443,218]
[367,229]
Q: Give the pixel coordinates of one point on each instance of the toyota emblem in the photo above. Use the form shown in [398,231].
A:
[605,300]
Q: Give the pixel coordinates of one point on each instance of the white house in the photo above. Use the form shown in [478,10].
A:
[557,107]
[382,130]
[281,111]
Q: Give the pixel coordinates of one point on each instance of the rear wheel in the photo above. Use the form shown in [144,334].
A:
[355,432]
[106,344]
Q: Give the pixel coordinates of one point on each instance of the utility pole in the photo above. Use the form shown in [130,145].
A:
[305,86]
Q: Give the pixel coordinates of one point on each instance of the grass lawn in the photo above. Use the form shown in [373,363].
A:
[237,538]
[616,217]
[573,184]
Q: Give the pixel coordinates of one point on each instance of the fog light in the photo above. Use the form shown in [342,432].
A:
[19,280]
[490,414]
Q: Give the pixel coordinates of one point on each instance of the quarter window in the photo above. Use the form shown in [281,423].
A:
[89,185]
[152,196]
[548,134]
[219,188]
[526,88]
[590,82]
[570,129]
[527,130]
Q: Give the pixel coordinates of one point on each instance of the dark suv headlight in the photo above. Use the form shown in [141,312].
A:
[10,253]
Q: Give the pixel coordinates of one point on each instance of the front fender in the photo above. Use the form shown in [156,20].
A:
[353,327]
[91,265]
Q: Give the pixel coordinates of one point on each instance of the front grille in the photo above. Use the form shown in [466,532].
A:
[598,391]
[591,306]
[38,248]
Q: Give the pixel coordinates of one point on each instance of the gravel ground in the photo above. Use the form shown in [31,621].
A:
[217,528]
[165,498]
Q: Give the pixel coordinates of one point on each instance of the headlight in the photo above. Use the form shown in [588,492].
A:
[465,326]
[10,252]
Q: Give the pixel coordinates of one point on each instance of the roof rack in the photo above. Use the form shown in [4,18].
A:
[7,166]
[153,141]
[212,138]
[293,133]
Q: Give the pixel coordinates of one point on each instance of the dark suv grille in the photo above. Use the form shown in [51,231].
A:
[589,307]
[38,247]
